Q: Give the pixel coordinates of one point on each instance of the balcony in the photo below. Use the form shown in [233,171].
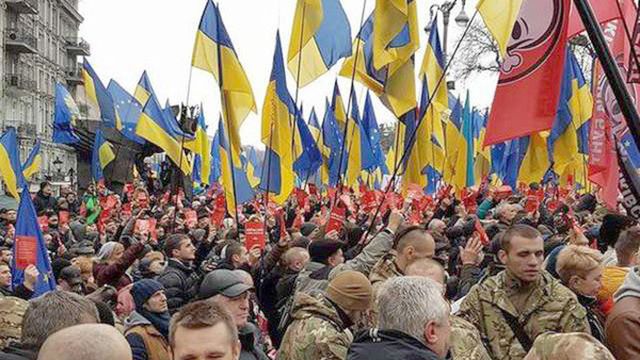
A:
[23,129]
[20,83]
[78,46]
[23,6]
[74,76]
[71,7]
[19,41]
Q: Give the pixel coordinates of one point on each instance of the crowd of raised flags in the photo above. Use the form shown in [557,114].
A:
[442,140]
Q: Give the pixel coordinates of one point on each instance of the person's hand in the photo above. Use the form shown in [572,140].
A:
[284,240]
[472,253]
[254,255]
[395,220]
[61,250]
[30,277]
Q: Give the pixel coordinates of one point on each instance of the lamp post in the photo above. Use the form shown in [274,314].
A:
[462,19]
[57,163]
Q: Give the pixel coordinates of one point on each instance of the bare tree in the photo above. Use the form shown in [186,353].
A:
[478,53]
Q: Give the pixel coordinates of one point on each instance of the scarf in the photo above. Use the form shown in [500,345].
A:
[159,320]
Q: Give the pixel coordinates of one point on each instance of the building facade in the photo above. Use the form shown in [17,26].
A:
[40,46]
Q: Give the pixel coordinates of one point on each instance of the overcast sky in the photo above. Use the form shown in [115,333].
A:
[129,36]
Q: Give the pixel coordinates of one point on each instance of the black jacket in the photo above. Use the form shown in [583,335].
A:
[249,337]
[377,344]
[43,202]
[181,284]
[15,352]
[20,291]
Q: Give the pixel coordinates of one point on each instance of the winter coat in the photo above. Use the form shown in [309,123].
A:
[145,340]
[622,328]
[374,344]
[181,284]
[115,274]
[317,331]
[16,352]
[43,202]
[251,349]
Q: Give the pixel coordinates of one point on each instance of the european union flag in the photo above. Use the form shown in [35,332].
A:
[29,248]
[129,110]
[64,118]
[310,160]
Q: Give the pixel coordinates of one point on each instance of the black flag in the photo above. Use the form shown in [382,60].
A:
[629,184]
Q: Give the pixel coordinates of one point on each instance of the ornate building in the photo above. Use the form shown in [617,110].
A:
[40,46]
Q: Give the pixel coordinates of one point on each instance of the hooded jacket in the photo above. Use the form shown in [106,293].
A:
[622,328]
[251,349]
[181,284]
[374,344]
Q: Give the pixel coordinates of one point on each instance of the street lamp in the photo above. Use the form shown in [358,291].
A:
[58,165]
[462,19]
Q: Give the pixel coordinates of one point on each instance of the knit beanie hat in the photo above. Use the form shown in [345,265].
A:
[351,290]
[307,228]
[142,290]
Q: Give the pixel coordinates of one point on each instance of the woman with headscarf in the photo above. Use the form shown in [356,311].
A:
[113,261]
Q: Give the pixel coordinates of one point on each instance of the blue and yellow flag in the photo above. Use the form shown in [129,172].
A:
[214,52]
[337,106]
[535,163]
[512,159]
[432,70]
[64,119]
[500,16]
[482,167]
[154,127]
[253,167]
[321,36]
[33,163]
[237,189]
[453,138]
[358,148]
[30,249]
[128,109]
[310,160]
[98,95]
[201,148]
[395,30]
[102,155]
[10,167]
[216,165]
[332,139]
[144,89]
[277,115]
[467,150]
[568,140]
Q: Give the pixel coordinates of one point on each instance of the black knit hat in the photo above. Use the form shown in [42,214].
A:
[321,250]
[612,226]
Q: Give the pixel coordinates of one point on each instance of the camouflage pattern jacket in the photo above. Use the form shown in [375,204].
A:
[384,269]
[465,341]
[550,307]
[317,331]
[550,346]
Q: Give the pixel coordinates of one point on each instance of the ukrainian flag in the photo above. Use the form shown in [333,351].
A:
[322,176]
[154,127]
[514,153]
[483,153]
[97,93]
[322,28]
[64,119]
[144,90]
[500,16]
[214,52]
[33,163]
[337,106]
[332,139]
[278,110]
[432,69]
[429,141]
[415,161]
[569,134]
[467,151]
[253,167]
[10,168]
[395,33]
[535,163]
[453,140]
[101,156]
[237,189]
[201,148]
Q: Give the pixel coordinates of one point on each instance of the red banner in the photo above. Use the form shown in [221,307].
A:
[531,72]
[336,218]
[604,10]
[26,250]
[254,234]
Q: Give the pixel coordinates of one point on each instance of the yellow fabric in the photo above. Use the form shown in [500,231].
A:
[482,166]
[400,90]
[201,146]
[612,279]
[500,16]
[89,87]
[105,154]
[151,131]
[34,168]
[354,165]
[141,95]
[536,162]
[390,18]
[9,177]
[307,20]
[226,178]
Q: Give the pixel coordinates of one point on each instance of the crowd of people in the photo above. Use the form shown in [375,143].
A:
[151,275]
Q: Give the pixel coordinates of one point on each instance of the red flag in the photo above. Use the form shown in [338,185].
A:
[604,10]
[484,238]
[532,204]
[337,217]
[530,74]
[26,250]
[368,201]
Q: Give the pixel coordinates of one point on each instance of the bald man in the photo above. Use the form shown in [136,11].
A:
[428,268]
[86,342]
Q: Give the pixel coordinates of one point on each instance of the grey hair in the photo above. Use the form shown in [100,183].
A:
[433,223]
[106,250]
[53,311]
[408,303]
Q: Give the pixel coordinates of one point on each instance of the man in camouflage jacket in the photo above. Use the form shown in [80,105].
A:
[536,300]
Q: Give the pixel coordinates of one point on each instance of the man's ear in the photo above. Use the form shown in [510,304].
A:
[236,350]
[430,335]
[502,255]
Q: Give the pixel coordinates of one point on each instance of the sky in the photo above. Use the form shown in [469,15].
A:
[129,36]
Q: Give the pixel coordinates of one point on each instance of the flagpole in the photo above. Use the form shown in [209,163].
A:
[412,139]
[610,68]
[266,193]
[353,78]
[306,181]
[293,128]
[225,122]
